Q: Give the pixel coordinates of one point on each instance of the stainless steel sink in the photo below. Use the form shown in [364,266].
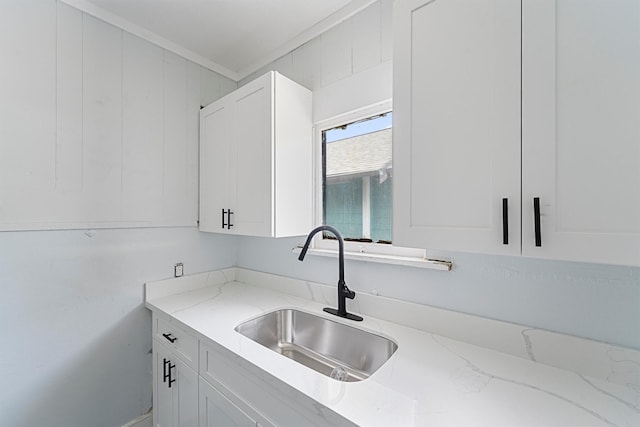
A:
[331,348]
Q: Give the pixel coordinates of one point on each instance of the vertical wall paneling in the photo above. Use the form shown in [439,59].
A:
[142,133]
[354,46]
[336,52]
[226,85]
[213,86]
[193,138]
[386,30]
[102,121]
[99,128]
[27,105]
[366,38]
[209,86]
[68,175]
[175,134]
[307,64]
[284,65]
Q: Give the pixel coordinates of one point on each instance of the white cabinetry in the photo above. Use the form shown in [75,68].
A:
[581,129]
[457,125]
[255,160]
[175,390]
[462,128]
[216,410]
[175,379]
[199,383]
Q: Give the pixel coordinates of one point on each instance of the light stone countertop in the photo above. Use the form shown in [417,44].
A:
[431,380]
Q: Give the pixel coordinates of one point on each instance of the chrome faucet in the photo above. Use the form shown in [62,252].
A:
[343,290]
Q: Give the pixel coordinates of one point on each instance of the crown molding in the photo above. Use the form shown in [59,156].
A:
[128,26]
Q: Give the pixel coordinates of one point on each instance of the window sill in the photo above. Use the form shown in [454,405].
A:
[432,264]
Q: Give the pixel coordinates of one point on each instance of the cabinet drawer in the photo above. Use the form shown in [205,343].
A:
[183,344]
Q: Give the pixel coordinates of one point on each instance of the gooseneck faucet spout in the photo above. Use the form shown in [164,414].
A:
[343,290]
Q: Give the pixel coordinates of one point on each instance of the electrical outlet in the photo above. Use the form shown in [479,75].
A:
[178,270]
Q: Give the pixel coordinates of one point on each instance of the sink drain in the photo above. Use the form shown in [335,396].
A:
[339,373]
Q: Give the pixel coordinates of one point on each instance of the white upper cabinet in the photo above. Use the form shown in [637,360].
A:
[581,129]
[256,160]
[483,113]
[456,129]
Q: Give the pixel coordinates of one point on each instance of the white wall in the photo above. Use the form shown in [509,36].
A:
[76,337]
[593,301]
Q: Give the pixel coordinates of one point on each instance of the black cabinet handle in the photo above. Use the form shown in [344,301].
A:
[171,379]
[165,375]
[536,220]
[170,338]
[229,225]
[166,372]
[505,221]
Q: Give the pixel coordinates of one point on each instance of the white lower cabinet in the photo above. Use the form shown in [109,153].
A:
[264,398]
[216,410]
[213,387]
[175,387]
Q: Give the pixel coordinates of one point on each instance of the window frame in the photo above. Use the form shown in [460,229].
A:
[380,252]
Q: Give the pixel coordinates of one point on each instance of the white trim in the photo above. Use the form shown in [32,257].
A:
[370,87]
[372,252]
[432,264]
[352,116]
[326,24]
[128,26]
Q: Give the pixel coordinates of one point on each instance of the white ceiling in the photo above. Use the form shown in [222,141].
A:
[234,37]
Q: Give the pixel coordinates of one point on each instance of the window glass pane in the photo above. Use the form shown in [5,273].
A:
[357,176]
[344,206]
[381,210]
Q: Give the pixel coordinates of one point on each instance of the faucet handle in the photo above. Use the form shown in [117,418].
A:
[348,293]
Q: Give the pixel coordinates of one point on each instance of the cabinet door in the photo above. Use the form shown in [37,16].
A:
[218,411]
[581,129]
[175,403]
[253,136]
[216,168]
[456,144]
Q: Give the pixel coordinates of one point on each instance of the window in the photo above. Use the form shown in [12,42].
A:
[354,177]
[357,179]
[354,180]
